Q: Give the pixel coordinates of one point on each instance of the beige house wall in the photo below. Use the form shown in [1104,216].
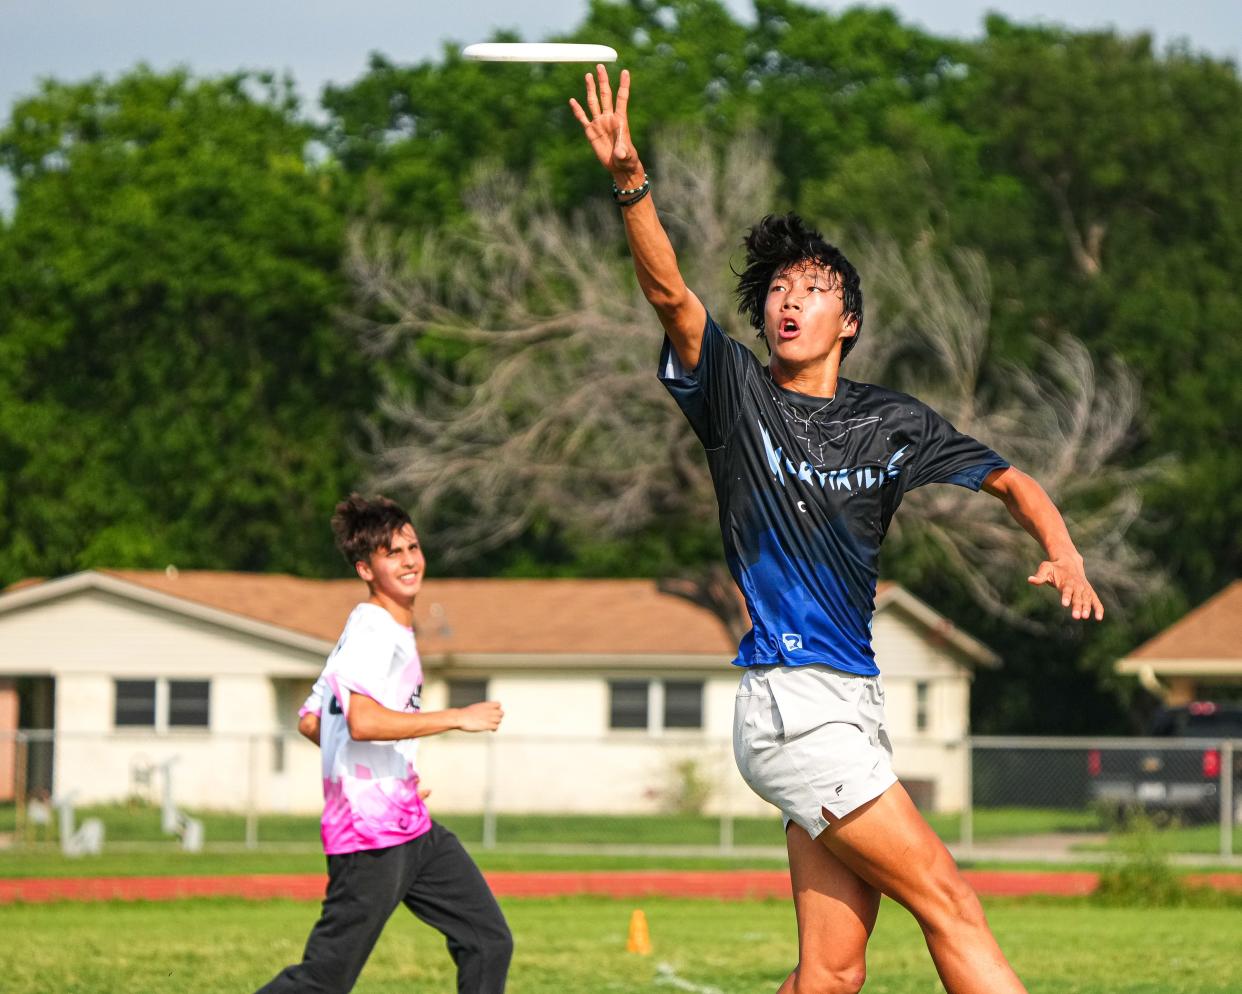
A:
[86,641]
[555,752]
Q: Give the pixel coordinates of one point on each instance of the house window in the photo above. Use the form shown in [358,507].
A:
[627,704]
[683,704]
[162,704]
[462,693]
[189,703]
[922,713]
[655,705]
[135,704]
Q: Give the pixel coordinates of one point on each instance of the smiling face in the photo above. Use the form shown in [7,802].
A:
[803,315]
[395,573]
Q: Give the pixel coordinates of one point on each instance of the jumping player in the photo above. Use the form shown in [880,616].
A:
[383,849]
[809,468]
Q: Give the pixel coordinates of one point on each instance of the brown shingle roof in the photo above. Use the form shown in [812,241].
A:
[1213,630]
[625,617]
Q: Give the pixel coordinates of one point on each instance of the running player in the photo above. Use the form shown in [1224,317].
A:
[383,849]
[809,468]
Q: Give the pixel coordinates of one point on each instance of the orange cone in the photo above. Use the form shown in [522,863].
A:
[639,940]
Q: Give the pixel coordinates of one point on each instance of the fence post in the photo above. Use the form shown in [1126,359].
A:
[252,814]
[489,792]
[966,834]
[21,759]
[1226,798]
[726,805]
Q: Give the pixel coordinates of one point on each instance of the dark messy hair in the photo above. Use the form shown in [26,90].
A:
[781,242]
[363,525]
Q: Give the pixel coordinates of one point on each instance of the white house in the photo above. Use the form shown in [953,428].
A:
[616,695]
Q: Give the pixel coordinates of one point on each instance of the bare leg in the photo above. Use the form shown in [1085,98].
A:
[836,912]
[889,845]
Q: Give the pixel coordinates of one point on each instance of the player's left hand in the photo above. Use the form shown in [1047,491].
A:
[1077,593]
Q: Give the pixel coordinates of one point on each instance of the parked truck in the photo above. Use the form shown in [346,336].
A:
[1167,779]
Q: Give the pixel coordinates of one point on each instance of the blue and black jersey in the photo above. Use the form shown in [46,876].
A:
[807,487]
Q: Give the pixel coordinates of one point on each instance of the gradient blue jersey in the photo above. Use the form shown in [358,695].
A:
[807,487]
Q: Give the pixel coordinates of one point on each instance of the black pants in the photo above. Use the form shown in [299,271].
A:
[437,880]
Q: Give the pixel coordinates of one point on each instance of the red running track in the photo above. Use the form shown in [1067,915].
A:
[722,885]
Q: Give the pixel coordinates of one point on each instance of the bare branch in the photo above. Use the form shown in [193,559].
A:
[533,396]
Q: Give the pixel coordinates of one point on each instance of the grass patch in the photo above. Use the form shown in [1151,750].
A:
[1196,839]
[141,823]
[999,823]
[577,945]
[48,862]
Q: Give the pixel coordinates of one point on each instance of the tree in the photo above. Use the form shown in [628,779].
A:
[1125,227]
[548,409]
[1065,421]
[176,389]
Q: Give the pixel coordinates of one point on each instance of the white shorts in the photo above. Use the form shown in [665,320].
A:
[808,738]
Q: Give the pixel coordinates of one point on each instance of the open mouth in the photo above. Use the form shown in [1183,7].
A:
[788,328]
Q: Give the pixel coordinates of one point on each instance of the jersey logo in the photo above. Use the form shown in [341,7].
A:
[792,640]
[849,478]
[334,706]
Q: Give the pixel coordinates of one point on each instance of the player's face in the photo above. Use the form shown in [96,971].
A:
[396,573]
[803,319]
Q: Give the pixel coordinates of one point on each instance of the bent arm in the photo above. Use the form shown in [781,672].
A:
[308,725]
[1033,509]
[370,721]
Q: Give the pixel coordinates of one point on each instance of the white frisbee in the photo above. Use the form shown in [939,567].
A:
[538,51]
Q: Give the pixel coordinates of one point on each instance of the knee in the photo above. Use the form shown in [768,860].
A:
[504,948]
[496,948]
[811,979]
[953,906]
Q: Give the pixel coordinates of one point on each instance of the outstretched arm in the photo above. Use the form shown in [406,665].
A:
[1033,509]
[607,129]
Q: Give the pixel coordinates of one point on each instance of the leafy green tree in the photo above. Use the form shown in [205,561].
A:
[1127,232]
[175,387]
[1093,173]
[409,136]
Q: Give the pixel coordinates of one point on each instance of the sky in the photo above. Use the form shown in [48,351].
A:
[322,41]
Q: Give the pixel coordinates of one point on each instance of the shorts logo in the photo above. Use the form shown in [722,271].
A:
[792,640]
[840,787]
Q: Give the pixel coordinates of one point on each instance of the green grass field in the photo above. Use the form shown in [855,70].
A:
[48,862]
[578,945]
[290,844]
[141,823]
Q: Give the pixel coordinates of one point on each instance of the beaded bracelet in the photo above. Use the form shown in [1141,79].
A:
[627,198]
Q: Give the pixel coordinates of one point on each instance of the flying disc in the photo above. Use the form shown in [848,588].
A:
[540,51]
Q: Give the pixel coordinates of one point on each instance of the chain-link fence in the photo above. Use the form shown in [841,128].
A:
[1076,798]
[1028,799]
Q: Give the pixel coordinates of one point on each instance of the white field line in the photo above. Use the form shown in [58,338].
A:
[665,974]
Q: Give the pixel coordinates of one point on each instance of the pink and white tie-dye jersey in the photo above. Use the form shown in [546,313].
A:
[370,789]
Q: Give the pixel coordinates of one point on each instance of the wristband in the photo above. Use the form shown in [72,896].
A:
[627,198]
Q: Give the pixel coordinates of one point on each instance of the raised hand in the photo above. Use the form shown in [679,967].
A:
[1077,593]
[608,129]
